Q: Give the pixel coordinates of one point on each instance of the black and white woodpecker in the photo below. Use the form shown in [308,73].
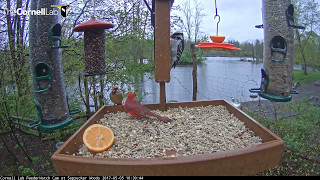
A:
[176,48]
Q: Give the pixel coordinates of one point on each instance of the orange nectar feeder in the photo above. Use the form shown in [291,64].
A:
[217,45]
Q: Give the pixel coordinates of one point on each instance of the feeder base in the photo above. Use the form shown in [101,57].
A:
[53,127]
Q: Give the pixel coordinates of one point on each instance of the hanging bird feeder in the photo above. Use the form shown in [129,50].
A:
[277,72]
[217,41]
[46,66]
[94,45]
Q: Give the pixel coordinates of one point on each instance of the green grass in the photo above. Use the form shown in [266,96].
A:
[26,171]
[298,75]
[301,134]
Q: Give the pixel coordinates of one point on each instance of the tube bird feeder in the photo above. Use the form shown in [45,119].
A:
[277,71]
[94,45]
[46,66]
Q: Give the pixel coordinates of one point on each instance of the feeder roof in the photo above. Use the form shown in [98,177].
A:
[93,24]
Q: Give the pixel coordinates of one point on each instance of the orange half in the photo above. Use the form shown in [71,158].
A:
[98,138]
[217,39]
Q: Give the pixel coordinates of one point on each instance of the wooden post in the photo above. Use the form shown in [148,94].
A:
[163,106]
[162,47]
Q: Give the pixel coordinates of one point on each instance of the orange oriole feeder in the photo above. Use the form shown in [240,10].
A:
[217,45]
[217,41]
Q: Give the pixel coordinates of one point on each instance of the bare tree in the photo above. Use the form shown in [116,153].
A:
[15,29]
[191,25]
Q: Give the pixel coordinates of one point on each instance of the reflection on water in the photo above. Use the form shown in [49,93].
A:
[218,78]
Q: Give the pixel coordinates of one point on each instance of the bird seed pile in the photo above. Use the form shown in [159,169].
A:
[194,131]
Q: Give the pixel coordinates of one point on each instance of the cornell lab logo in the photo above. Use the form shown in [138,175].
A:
[63,9]
[40,12]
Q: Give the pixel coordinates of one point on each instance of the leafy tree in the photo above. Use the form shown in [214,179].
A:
[307,14]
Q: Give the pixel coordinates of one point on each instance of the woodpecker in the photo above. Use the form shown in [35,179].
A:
[176,48]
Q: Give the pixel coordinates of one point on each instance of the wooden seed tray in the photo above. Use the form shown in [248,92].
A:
[244,161]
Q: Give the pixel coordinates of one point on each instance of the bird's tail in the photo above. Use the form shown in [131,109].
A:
[161,118]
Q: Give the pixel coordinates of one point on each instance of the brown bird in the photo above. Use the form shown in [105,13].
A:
[133,107]
[116,96]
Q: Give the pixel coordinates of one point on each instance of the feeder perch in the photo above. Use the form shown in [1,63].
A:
[290,18]
[40,123]
[55,36]
[94,45]
[259,26]
[264,87]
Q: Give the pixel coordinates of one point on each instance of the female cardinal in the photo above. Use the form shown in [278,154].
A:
[116,96]
[133,107]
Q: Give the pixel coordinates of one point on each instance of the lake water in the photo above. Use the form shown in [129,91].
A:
[218,78]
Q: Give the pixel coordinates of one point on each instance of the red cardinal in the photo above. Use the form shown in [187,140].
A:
[133,107]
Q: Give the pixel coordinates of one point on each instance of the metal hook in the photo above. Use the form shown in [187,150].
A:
[217,16]
[217,23]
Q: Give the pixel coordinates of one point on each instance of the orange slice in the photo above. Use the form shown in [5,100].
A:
[98,138]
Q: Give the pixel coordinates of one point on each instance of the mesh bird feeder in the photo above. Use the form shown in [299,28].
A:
[94,45]
[46,67]
[277,71]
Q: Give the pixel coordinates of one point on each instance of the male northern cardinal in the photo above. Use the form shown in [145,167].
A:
[133,107]
[116,96]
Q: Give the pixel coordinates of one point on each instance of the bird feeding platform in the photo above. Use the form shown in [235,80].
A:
[242,161]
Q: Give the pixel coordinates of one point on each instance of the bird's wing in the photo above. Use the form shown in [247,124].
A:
[174,49]
[180,49]
[135,107]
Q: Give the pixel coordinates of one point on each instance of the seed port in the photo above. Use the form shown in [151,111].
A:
[43,75]
[55,37]
[264,82]
[278,46]
[264,87]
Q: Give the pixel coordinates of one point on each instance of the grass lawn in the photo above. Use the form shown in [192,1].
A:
[299,76]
